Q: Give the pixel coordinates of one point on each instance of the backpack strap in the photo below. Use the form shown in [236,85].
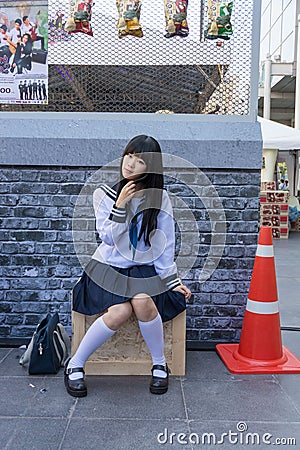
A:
[67,342]
[25,358]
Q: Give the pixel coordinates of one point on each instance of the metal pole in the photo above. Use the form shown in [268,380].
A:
[267,87]
[297,92]
[256,19]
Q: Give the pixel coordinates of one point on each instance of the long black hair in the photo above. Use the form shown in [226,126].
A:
[28,46]
[148,149]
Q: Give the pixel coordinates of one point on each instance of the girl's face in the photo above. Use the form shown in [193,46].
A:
[133,166]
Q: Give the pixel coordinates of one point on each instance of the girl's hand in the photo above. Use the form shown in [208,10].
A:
[184,290]
[126,194]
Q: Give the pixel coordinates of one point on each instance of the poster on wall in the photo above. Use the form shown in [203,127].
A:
[24,52]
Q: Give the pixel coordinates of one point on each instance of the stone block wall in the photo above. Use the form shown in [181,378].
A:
[39,265]
[39,188]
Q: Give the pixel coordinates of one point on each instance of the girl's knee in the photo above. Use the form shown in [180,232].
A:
[142,301]
[144,307]
[117,315]
[123,310]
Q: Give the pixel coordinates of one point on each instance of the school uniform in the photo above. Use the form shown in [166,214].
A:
[32,27]
[3,40]
[27,28]
[14,35]
[123,266]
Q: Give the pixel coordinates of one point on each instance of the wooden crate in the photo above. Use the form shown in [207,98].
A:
[268,186]
[126,352]
[274,196]
[280,232]
[281,209]
[274,221]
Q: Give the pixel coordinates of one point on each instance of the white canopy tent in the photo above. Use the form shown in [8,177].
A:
[278,136]
[286,140]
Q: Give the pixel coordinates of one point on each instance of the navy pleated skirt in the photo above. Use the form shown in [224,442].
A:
[102,286]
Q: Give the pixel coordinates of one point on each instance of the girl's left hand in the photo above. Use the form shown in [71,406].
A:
[184,290]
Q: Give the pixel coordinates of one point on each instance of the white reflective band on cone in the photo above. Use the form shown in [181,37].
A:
[262,307]
[265,250]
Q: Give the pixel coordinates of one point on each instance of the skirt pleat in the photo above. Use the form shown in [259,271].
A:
[102,286]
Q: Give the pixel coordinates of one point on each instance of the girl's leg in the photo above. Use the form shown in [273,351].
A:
[19,66]
[151,327]
[101,330]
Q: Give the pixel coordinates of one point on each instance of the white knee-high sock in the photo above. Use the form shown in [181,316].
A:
[153,334]
[96,335]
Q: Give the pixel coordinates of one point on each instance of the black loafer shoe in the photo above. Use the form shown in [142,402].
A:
[159,385]
[76,388]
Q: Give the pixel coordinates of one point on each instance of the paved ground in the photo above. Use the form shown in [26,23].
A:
[120,413]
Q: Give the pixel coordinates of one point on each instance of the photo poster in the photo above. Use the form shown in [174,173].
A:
[24,52]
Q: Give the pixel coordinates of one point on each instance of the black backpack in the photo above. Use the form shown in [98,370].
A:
[49,347]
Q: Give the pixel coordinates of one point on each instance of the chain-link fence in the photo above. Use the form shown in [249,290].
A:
[150,73]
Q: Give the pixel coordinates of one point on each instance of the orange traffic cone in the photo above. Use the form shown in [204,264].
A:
[260,349]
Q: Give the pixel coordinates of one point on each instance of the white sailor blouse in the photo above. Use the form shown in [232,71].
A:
[114,227]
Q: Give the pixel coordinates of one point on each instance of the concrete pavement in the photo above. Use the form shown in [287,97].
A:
[208,408]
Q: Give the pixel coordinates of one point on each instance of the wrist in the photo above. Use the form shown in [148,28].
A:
[118,214]
[120,205]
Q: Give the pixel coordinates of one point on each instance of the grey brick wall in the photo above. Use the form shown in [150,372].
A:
[39,265]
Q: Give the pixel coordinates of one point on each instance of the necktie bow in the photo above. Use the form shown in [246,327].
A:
[133,235]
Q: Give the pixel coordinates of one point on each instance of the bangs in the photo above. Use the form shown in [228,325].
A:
[143,147]
[136,152]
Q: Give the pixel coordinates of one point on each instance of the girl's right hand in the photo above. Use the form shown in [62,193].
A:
[126,194]
[184,290]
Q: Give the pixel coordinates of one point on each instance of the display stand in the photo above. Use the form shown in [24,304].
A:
[126,352]
[274,210]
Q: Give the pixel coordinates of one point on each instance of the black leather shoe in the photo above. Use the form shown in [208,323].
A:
[76,388]
[159,385]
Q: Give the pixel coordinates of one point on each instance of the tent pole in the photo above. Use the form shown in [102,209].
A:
[297,91]
[267,87]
